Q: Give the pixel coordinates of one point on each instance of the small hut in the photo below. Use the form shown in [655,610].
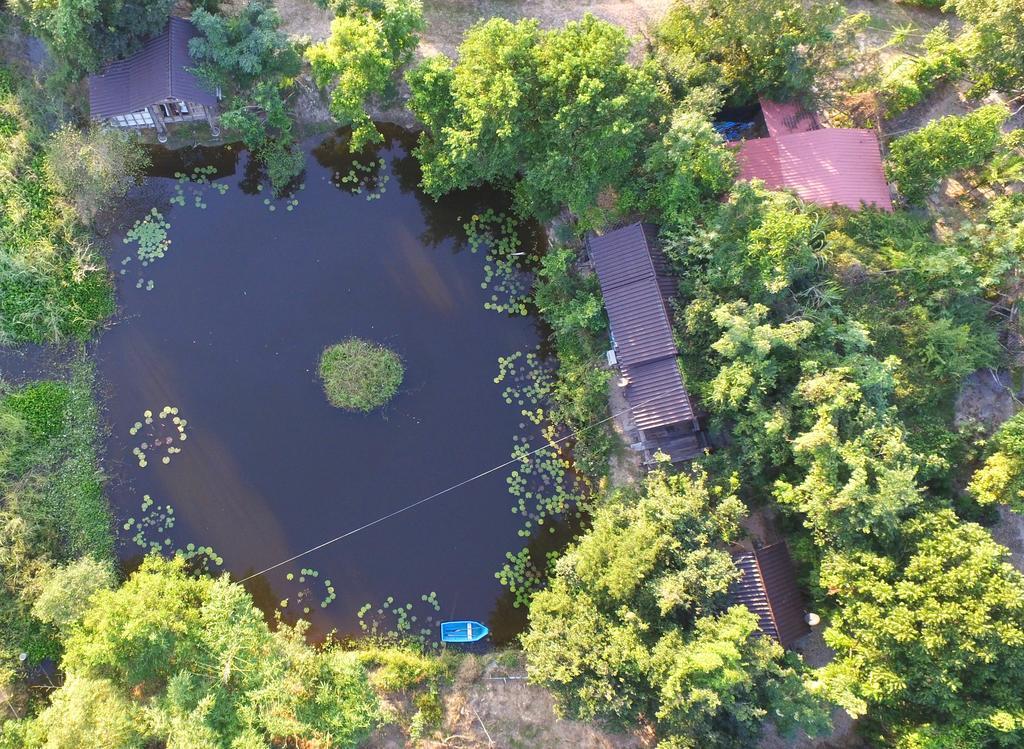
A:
[768,588]
[154,87]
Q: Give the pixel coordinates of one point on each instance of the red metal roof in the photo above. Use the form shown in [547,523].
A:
[830,166]
[158,71]
[789,117]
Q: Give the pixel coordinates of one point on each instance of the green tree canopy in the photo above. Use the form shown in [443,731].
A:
[933,634]
[630,629]
[359,59]
[189,662]
[745,48]
[559,116]
[85,34]
[993,44]
[253,62]
[1001,477]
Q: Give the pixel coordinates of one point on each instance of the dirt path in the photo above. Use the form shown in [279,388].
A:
[448,19]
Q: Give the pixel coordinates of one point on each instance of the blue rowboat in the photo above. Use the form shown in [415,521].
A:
[463,631]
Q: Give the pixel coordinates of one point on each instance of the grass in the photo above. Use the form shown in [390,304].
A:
[53,282]
[360,375]
[52,510]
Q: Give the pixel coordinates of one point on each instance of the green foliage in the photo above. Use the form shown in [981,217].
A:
[1001,478]
[908,80]
[94,167]
[53,283]
[64,592]
[53,510]
[559,116]
[367,45]
[253,63]
[359,375]
[934,633]
[178,661]
[744,48]
[628,628]
[919,160]
[399,669]
[84,34]
[571,304]
[993,44]
[684,171]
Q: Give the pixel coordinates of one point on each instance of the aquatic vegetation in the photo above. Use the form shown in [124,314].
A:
[158,433]
[288,196]
[150,533]
[369,178]
[360,375]
[401,622]
[511,285]
[199,182]
[150,236]
[304,597]
[522,576]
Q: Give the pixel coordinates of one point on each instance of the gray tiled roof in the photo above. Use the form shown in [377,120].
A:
[634,280]
[156,72]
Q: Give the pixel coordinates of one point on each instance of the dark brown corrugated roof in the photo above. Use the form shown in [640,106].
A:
[634,279]
[769,589]
[158,71]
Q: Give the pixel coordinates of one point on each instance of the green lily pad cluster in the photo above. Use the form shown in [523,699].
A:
[509,282]
[161,433]
[304,597]
[400,622]
[368,178]
[290,202]
[542,483]
[197,181]
[150,531]
[150,236]
[522,576]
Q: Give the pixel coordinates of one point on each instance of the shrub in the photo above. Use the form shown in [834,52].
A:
[910,79]
[359,375]
[920,160]
[1001,478]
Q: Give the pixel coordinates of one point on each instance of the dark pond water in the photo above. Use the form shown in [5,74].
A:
[240,307]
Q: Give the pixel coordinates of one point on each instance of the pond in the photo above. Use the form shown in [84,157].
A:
[224,328]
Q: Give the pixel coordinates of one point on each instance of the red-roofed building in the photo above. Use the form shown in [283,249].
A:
[827,166]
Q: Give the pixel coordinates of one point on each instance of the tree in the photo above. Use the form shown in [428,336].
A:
[1001,477]
[253,63]
[65,591]
[630,628]
[935,633]
[685,170]
[94,167]
[84,34]
[184,662]
[919,160]
[770,47]
[559,116]
[993,44]
[369,42]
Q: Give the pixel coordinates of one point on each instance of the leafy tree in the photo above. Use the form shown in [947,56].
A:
[635,605]
[253,63]
[772,47]
[359,59]
[1001,478]
[185,662]
[933,634]
[65,591]
[908,79]
[85,34]
[559,116]
[993,44]
[685,170]
[94,167]
[919,160]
